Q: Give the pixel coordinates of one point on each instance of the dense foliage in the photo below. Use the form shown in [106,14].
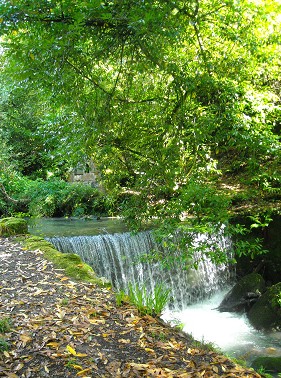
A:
[166,97]
[52,198]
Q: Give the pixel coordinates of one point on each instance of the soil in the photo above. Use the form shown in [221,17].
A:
[53,326]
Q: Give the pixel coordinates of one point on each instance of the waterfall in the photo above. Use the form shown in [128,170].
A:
[120,258]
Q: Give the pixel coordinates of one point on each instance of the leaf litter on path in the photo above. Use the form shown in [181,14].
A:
[63,328]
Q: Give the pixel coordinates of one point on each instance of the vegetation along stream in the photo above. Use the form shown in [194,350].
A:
[195,294]
[165,114]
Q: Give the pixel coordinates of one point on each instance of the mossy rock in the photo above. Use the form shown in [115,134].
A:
[266,312]
[72,264]
[269,364]
[13,226]
[238,298]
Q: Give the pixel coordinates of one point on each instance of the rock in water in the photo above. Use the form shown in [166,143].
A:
[266,312]
[244,294]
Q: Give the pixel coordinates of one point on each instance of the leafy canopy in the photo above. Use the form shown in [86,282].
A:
[164,96]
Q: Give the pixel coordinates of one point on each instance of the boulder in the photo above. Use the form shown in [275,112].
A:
[265,314]
[244,294]
[13,226]
[269,364]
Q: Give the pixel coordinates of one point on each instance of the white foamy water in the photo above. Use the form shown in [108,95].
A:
[120,259]
[231,332]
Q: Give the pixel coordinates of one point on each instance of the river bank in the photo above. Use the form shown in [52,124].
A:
[63,328]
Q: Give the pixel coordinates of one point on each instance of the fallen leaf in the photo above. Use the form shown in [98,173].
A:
[71,350]
[216,369]
[77,367]
[60,314]
[96,321]
[19,367]
[149,350]
[53,344]
[82,372]
[81,354]
[124,341]
[46,369]
[25,338]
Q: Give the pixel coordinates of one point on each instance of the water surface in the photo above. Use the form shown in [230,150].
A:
[49,227]
[231,332]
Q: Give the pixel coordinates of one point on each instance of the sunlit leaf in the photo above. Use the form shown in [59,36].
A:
[71,350]
[83,372]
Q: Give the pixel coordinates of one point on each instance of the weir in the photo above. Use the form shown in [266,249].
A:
[120,258]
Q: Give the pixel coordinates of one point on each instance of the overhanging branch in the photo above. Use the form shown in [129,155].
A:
[6,196]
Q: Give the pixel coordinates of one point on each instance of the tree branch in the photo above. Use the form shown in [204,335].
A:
[6,196]
[110,93]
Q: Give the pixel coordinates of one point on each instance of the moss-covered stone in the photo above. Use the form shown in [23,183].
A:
[13,226]
[266,312]
[269,364]
[239,297]
[72,264]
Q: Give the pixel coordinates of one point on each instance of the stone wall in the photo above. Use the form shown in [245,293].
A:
[89,175]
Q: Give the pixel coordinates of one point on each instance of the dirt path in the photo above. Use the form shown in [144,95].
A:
[54,327]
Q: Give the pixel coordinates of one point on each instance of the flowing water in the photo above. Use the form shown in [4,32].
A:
[196,293]
[121,258]
[231,332]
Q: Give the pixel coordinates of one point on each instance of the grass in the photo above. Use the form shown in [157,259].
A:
[149,303]
[5,325]
[4,345]
[64,302]
[121,298]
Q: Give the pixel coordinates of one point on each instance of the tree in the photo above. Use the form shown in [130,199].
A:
[164,96]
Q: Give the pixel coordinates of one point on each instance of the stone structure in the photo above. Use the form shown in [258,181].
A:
[86,175]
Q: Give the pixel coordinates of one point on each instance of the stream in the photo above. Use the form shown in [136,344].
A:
[230,332]
[111,251]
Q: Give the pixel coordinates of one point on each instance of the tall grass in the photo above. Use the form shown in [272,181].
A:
[149,303]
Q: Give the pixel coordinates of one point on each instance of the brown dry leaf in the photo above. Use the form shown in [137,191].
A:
[192,364]
[60,314]
[215,369]
[19,367]
[46,369]
[6,354]
[141,367]
[64,279]
[96,321]
[53,344]
[149,350]
[25,338]
[114,367]
[39,292]
[124,341]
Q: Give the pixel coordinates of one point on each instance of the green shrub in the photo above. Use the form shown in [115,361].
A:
[56,198]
